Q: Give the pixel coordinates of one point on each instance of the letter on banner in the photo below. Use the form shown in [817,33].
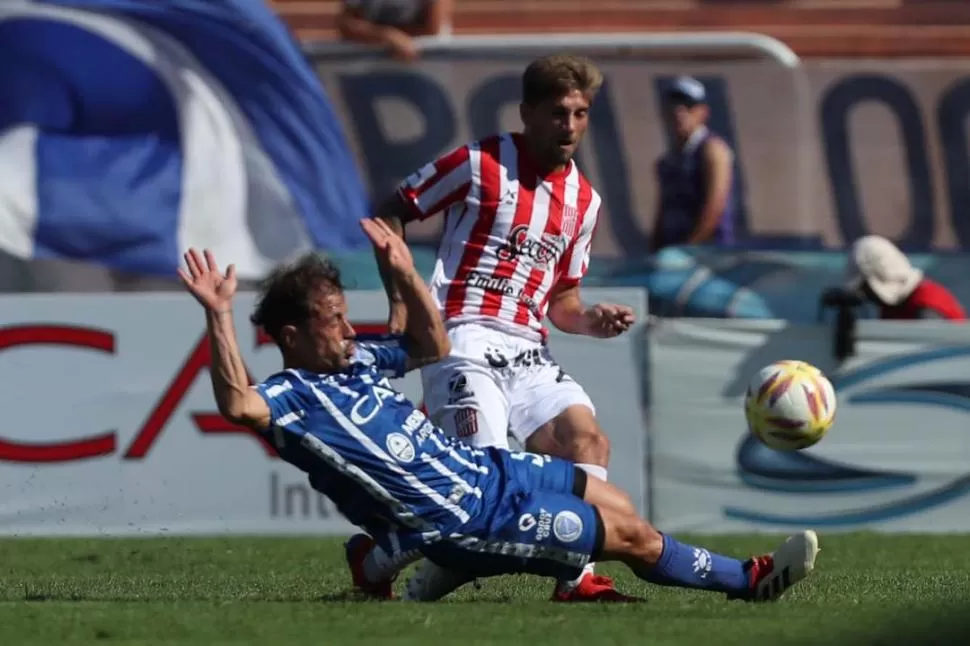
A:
[836,107]
[952,114]
[389,158]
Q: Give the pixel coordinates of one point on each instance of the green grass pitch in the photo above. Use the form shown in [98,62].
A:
[867,589]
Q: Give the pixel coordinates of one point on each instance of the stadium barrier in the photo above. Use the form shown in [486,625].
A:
[111,427]
[895,460]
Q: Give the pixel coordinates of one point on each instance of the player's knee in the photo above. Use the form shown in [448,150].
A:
[581,436]
[590,445]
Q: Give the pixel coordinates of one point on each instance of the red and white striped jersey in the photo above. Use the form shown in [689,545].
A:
[510,234]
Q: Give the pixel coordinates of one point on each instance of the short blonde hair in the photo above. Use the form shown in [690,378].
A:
[553,76]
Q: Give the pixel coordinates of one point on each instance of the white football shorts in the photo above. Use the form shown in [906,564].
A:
[495,384]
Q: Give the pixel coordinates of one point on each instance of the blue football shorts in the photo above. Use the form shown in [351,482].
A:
[543,527]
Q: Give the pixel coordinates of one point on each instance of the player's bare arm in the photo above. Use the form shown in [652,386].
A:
[428,340]
[434,188]
[394,212]
[354,27]
[718,167]
[568,313]
[230,379]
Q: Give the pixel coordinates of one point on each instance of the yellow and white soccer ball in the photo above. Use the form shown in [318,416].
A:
[790,405]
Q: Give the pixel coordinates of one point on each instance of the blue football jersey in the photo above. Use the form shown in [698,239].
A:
[371,451]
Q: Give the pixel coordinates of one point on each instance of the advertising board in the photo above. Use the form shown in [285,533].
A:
[110,426]
[895,460]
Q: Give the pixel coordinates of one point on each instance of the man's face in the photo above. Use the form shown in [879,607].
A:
[324,342]
[556,126]
[684,115]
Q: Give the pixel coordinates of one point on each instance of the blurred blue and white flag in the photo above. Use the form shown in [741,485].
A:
[133,129]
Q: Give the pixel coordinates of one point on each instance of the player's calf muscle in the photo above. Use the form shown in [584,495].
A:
[629,538]
[573,435]
[591,446]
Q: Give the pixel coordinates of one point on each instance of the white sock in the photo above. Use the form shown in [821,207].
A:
[599,472]
[381,566]
[593,470]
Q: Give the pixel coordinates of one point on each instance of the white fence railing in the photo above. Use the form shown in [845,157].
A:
[737,44]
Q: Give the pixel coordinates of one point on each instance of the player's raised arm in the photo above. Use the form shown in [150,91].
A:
[230,380]
[394,212]
[427,339]
[434,188]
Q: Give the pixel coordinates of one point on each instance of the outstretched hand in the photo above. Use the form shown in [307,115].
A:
[606,321]
[213,290]
[389,245]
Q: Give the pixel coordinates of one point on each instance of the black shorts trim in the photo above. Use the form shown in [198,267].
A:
[597,553]
[580,478]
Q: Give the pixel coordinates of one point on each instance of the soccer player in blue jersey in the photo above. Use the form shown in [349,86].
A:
[332,413]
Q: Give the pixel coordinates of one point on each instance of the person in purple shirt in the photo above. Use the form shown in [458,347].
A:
[695,179]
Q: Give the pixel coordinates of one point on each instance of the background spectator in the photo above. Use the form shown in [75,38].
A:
[394,23]
[885,277]
[696,178]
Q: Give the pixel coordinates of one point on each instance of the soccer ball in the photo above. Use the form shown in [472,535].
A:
[790,405]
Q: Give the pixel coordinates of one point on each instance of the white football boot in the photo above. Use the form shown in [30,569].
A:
[431,582]
[774,574]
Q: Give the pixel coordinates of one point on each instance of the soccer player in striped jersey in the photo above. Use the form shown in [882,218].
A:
[332,413]
[519,219]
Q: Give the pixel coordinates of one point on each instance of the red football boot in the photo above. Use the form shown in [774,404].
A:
[356,550]
[592,587]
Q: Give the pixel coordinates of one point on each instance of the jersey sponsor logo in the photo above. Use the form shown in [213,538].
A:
[531,304]
[496,358]
[466,422]
[503,287]
[543,525]
[544,251]
[532,357]
[526,522]
[370,404]
[567,526]
[400,447]
[414,422]
[529,358]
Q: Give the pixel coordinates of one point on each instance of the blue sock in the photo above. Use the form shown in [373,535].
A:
[686,566]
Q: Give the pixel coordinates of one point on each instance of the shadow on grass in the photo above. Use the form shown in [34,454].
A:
[919,624]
